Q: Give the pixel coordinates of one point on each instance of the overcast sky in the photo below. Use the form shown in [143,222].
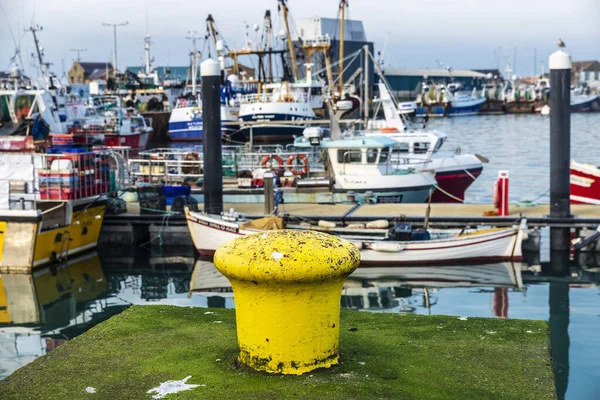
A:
[459,33]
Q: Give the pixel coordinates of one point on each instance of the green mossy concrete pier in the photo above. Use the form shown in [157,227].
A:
[383,356]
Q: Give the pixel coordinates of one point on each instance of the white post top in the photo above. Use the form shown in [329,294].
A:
[210,67]
[560,60]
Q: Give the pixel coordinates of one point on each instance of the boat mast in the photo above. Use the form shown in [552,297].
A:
[268,29]
[194,55]
[343,5]
[366,89]
[33,30]
[211,25]
[147,44]
[284,9]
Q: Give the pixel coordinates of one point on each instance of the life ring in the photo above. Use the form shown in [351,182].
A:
[267,161]
[303,159]
[189,168]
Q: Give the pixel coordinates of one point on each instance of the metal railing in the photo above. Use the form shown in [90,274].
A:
[188,103]
[177,167]
[319,41]
[284,97]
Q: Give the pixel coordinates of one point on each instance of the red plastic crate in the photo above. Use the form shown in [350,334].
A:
[60,194]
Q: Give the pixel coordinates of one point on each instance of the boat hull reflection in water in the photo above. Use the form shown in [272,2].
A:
[42,310]
[378,288]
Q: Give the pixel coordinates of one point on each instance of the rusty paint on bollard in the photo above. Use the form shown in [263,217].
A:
[287,287]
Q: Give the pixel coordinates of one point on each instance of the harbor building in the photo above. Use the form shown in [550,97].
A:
[86,72]
[318,29]
[586,73]
[406,83]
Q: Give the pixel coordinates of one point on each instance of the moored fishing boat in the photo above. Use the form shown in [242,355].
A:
[107,123]
[279,113]
[584,183]
[581,102]
[448,101]
[185,122]
[378,247]
[420,149]
[51,205]
[357,166]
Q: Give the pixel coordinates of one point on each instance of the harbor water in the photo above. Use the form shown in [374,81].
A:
[62,302]
[41,311]
[520,144]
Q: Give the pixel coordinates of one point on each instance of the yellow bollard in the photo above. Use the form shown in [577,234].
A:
[287,287]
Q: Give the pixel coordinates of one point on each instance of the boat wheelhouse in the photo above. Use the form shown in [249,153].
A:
[280,112]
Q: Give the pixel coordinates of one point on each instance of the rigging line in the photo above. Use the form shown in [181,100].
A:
[437,187]
[385,82]
[341,76]
[356,53]
[9,26]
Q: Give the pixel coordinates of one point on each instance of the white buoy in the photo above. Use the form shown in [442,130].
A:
[545,110]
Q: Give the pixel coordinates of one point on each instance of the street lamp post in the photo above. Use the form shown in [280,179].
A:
[115,38]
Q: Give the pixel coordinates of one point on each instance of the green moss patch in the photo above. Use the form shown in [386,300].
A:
[383,356]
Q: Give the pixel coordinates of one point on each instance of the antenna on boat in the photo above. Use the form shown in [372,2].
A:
[193,36]
[147,44]
[39,50]
[268,34]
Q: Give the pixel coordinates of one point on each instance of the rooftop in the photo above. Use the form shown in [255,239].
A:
[581,66]
[90,67]
[315,27]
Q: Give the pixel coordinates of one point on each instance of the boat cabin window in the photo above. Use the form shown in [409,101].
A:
[401,148]
[349,156]
[384,156]
[420,147]
[372,156]
[137,122]
[315,91]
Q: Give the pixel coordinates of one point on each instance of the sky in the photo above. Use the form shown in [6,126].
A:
[423,33]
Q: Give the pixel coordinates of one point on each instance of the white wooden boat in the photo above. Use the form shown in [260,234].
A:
[492,245]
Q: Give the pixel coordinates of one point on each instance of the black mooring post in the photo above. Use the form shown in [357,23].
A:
[560,146]
[210,71]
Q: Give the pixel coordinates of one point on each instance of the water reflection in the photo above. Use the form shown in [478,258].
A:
[39,312]
[388,288]
[557,268]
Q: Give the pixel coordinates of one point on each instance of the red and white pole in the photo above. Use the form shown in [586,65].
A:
[502,193]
